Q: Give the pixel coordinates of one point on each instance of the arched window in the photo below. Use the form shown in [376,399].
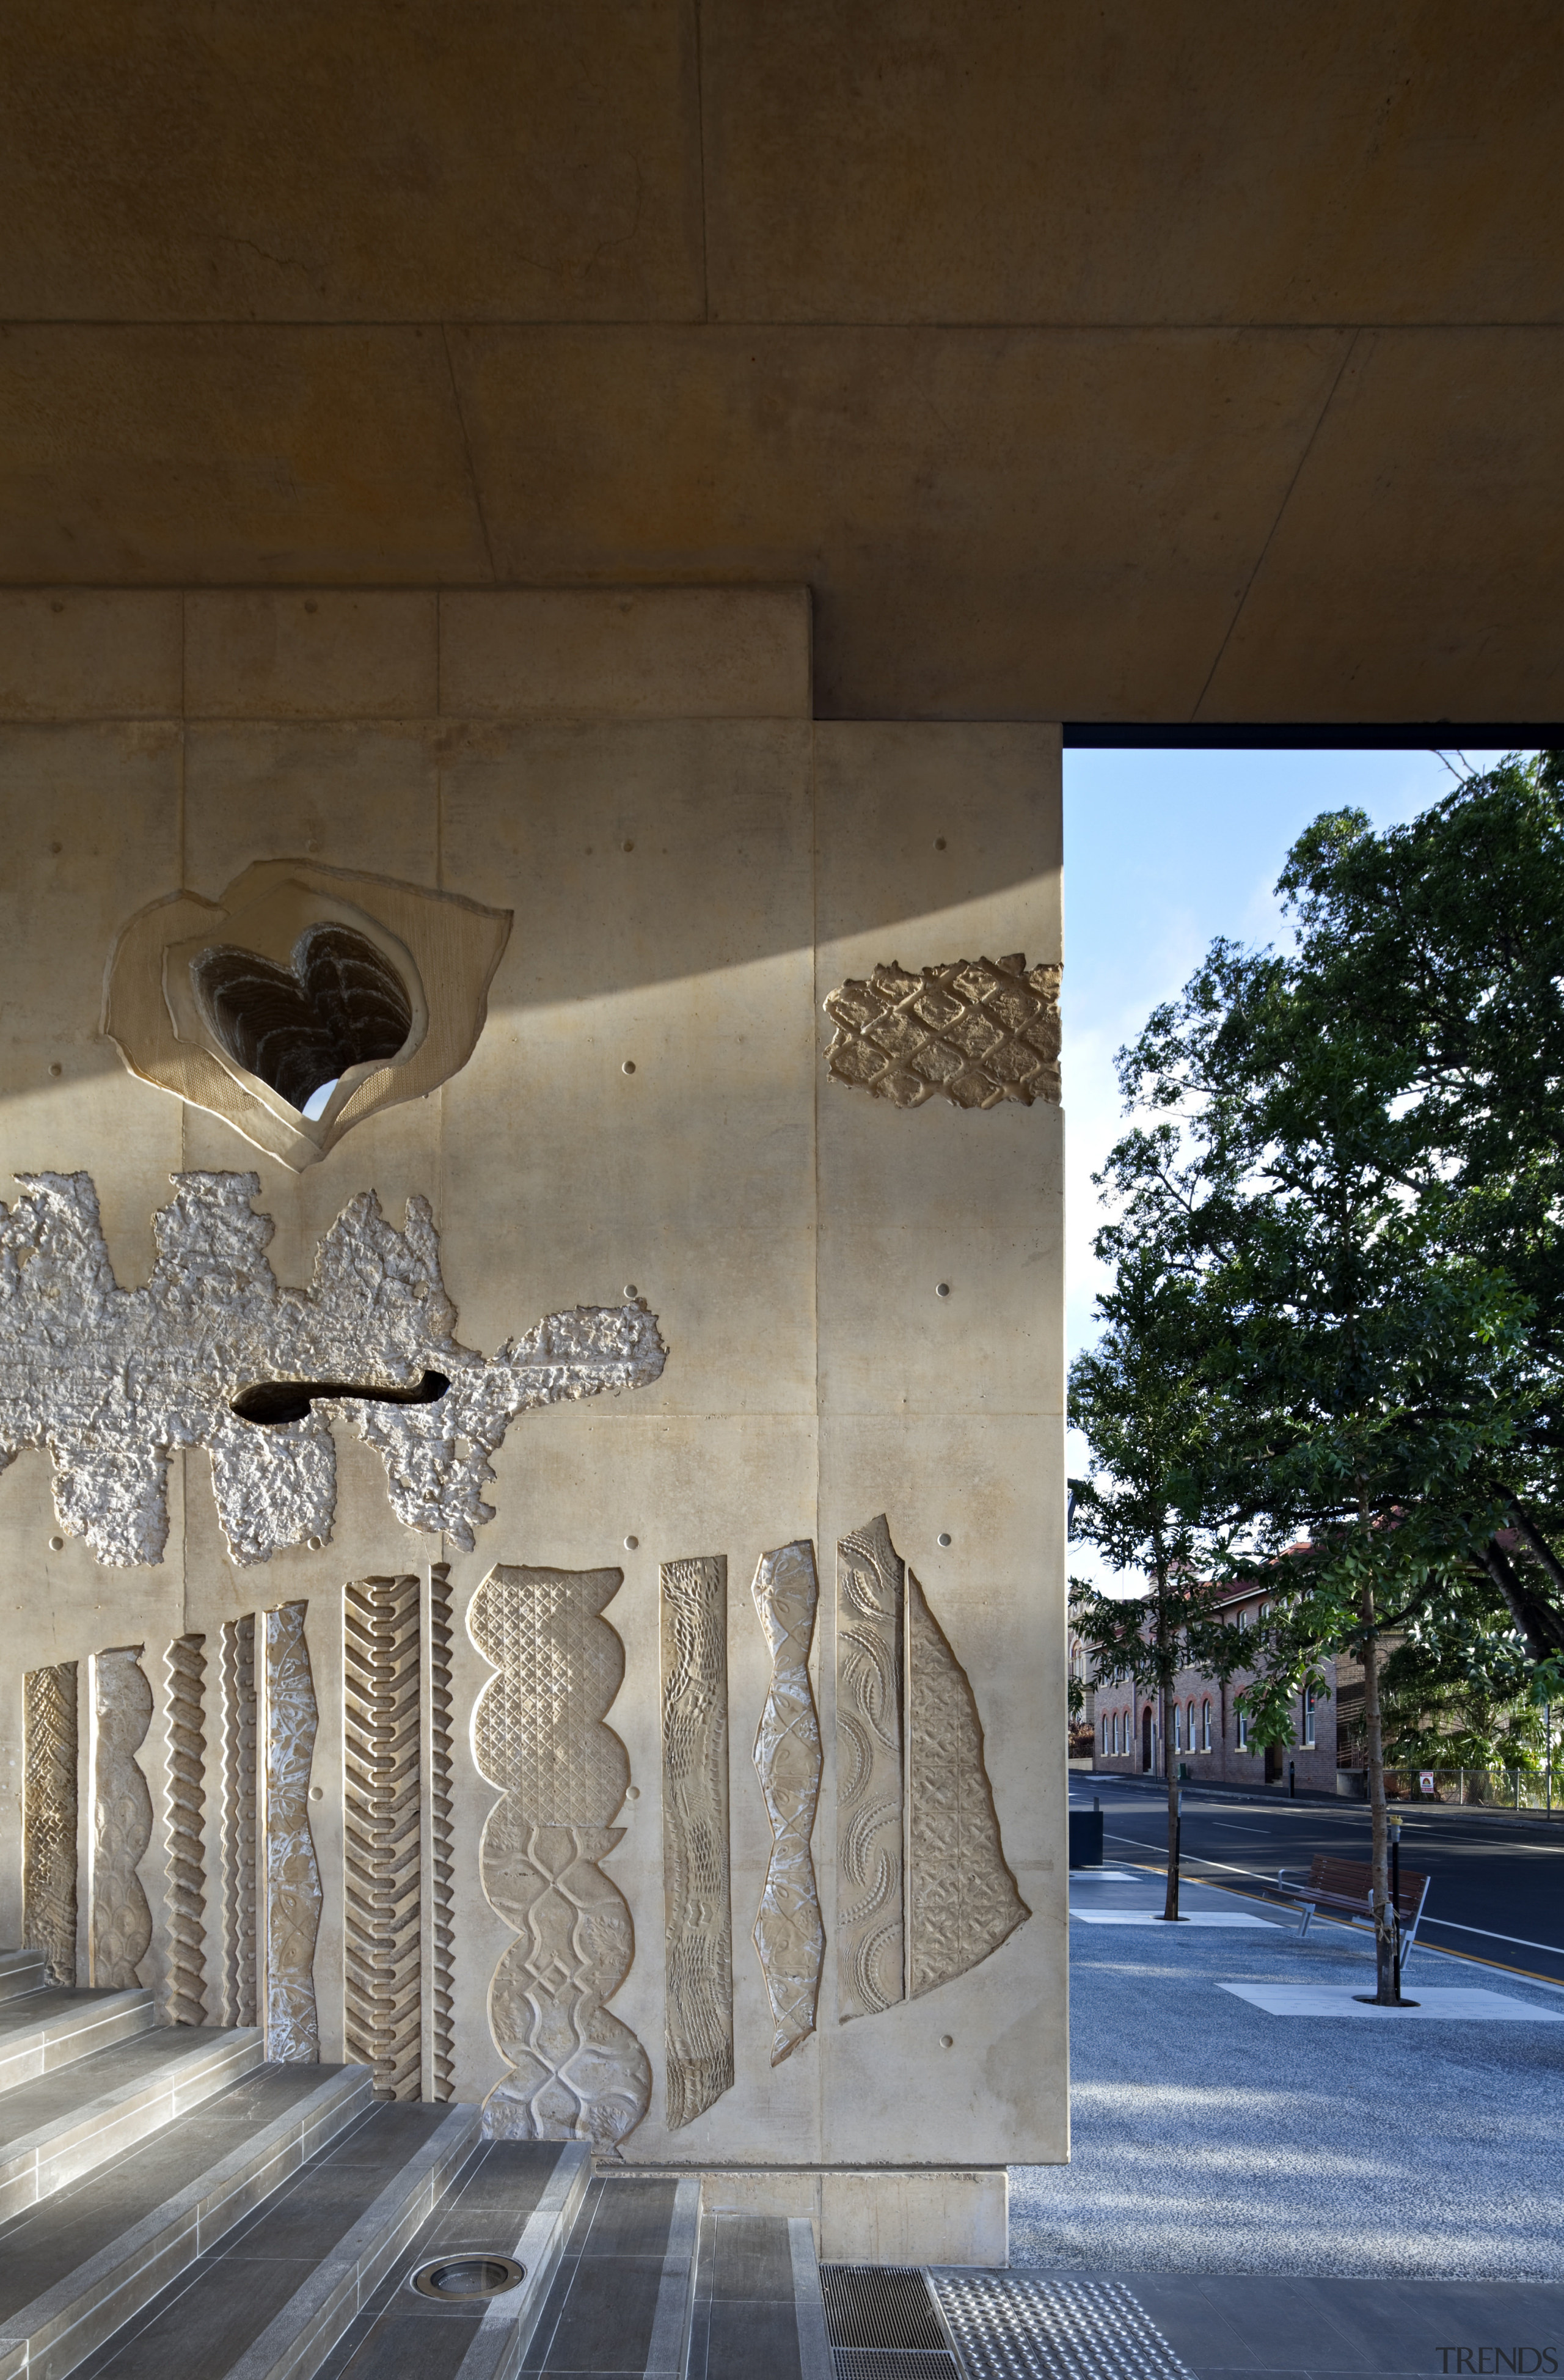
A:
[1178,1729]
[1115,1735]
[1205,1727]
[1306,1733]
[1244,1730]
[1191,1719]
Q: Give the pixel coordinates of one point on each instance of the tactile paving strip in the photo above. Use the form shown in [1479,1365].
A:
[1008,2328]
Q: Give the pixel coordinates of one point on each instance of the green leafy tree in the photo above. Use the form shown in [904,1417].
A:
[1378,1370]
[1143,1402]
[1442,942]
[1456,1691]
[1353,1158]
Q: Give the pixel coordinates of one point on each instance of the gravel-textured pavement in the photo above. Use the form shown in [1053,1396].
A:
[1211,2137]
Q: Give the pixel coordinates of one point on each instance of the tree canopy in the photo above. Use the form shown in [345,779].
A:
[1343,1201]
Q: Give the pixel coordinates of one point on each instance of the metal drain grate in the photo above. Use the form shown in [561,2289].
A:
[456,2280]
[895,2364]
[1010,2328]
[880,2307]
[883,2325]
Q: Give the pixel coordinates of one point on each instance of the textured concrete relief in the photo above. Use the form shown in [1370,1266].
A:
[577,2073]
[789,1938]
[870,1942]
[381,1954]
[696,1864]
[925,1892]
[290,1914]
[110,1379]
[441,1890]
[239,1787]
[184,1994]
[975,1031]
[961,1900]
[120,1929]
[49,1817]
[304,1000]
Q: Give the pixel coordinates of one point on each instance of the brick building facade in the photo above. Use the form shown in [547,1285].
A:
[1211,1738]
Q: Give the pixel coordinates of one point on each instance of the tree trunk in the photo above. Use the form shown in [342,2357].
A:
[1384,1939]
[1171,1905]
[1542,1627]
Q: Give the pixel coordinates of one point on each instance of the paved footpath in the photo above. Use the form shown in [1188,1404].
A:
[1107,2325]
[1268,2176]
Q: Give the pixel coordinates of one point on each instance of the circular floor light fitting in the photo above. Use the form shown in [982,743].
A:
[457,2281]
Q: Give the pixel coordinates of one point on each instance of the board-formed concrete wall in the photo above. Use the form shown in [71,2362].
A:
[706,1798]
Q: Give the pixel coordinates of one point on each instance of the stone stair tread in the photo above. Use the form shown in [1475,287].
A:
[623,2297]
[61,2003]
[80,2263]
[86,2082]
[759,2315]
[515,2198]
[278,2291]
[56,2128]
[22,1971]
[43,2030]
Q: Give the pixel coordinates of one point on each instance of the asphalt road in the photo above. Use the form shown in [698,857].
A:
[1496,1889]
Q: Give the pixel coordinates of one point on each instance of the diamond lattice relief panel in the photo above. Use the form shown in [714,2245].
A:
[978,1031]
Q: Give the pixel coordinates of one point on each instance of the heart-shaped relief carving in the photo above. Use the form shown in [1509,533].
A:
[341,1004]
[306,1000]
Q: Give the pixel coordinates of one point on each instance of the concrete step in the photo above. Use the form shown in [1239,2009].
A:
[43,2030]
[83,2262]
[58,2128]
[511,2198]
[759,2313]
[623,2297]
[22,1971]
[273,2301]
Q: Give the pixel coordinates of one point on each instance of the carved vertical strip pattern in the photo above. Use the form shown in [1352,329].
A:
[442,1927]
[577,2071]
[697,1864]
[290,1916]
[870,1923]
[120,1930]
[382,2008]
[238,1835]
[789,1936]
[184,1995]
[961,1900]
[49,1817]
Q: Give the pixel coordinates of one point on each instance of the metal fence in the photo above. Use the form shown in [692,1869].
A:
[1493,1789]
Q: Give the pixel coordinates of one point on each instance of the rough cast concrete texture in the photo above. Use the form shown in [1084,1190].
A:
[647,1124]
[1182,361]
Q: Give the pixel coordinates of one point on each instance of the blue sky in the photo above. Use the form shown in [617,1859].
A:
[1163,851]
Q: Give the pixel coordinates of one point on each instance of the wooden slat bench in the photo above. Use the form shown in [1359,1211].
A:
[1345,1889]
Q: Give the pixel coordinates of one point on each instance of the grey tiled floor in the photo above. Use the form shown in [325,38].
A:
[603,2299]
[401,2333]
[203,2323]
[746,2321]
[41,2246]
